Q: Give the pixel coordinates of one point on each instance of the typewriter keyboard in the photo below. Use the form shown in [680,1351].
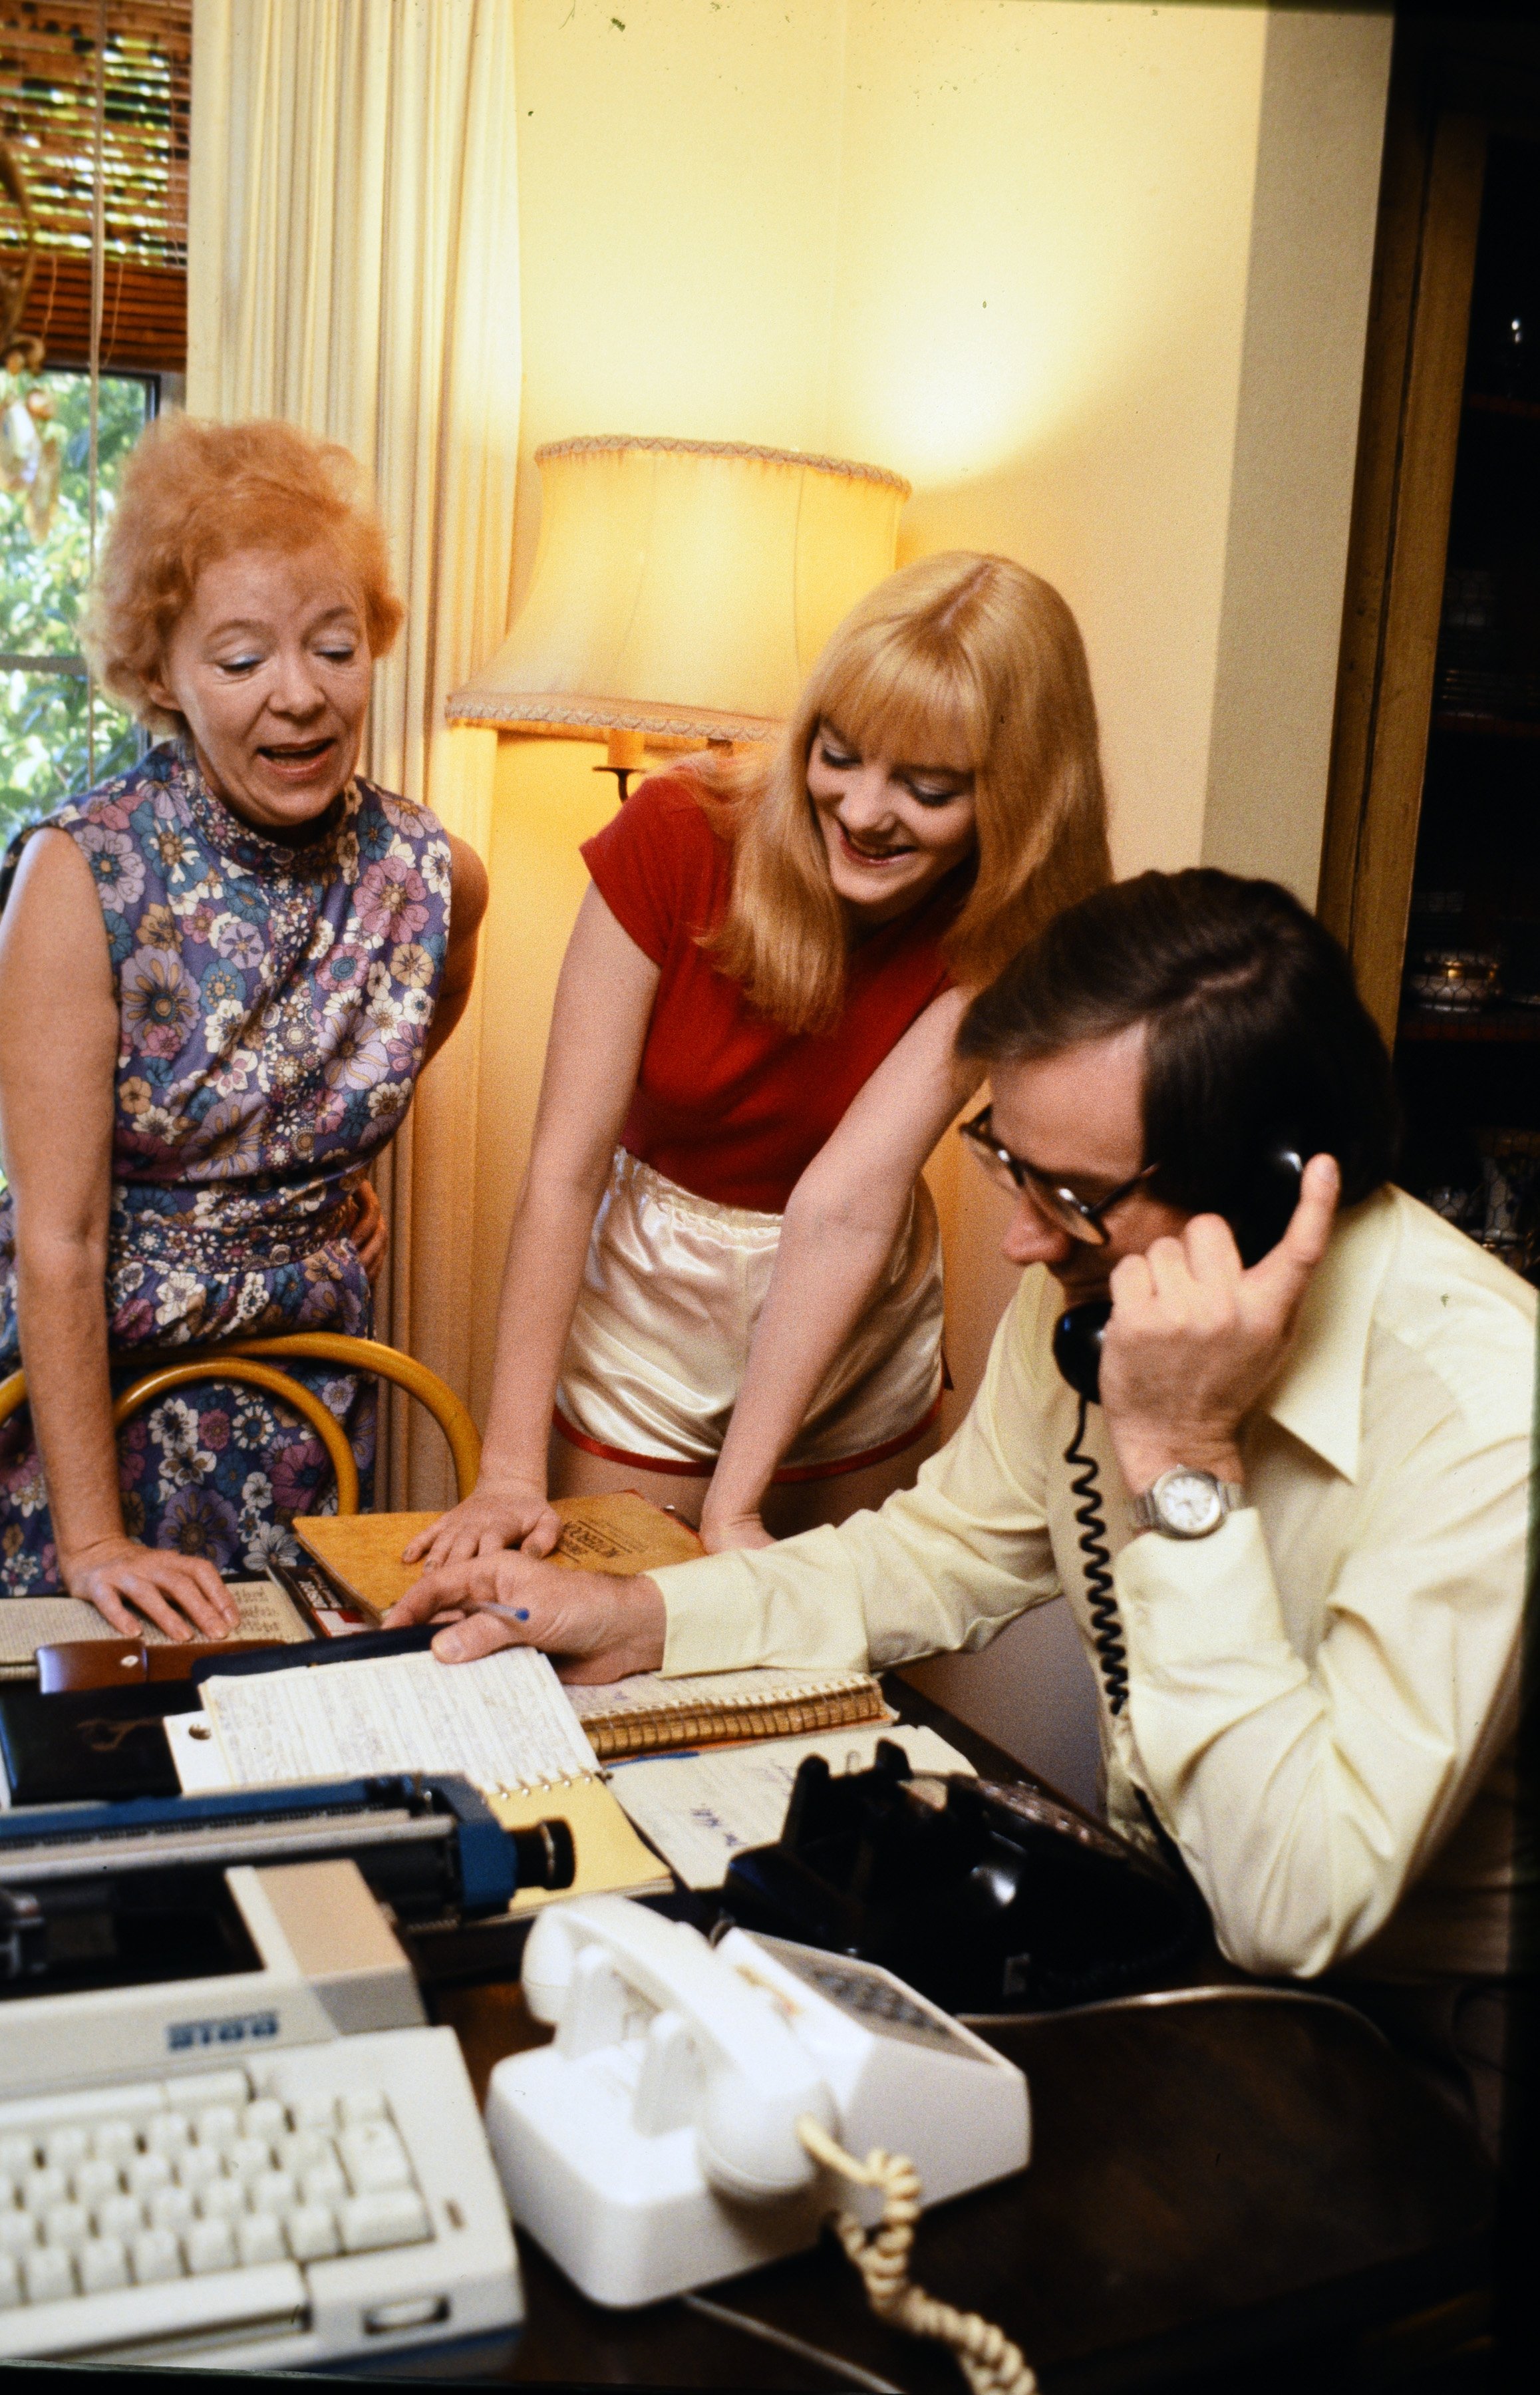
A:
[190,2179]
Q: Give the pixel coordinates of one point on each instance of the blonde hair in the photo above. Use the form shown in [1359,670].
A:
[193,492]
[963,660]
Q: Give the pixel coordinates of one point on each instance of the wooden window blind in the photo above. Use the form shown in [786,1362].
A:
[48,101]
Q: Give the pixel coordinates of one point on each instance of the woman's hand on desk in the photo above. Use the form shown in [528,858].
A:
[594,1625]
[719,1531]
[181,1594]
[495,1516]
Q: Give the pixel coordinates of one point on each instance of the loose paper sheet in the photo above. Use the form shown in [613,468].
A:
[702,1810]
[504,1721]
[28,1623]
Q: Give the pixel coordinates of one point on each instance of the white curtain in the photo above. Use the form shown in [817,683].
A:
[355,267]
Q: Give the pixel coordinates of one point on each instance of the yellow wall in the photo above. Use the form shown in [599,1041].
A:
[1093,277]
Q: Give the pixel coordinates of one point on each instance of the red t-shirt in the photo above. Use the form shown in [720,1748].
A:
[729,1104]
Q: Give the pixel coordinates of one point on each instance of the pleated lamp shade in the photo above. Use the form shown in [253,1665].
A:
[683,588]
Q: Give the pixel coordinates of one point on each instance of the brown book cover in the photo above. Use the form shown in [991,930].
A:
[623,1533]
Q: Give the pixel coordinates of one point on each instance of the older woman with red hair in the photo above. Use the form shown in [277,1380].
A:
[220,974]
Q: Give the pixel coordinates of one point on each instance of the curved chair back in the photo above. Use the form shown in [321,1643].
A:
[247,1361]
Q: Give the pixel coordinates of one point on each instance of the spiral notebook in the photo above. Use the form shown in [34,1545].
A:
[503,1722]
[649,1715]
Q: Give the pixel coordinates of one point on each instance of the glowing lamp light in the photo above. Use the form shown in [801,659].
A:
[681,590]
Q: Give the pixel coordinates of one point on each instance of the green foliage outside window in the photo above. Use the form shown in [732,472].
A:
[44,746]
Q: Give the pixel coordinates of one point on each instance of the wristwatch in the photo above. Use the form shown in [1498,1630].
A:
[1184,1503]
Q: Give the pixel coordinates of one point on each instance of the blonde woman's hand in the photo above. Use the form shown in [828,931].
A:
[370,1234]
[720,1531]
[181,1594]
[496,1515]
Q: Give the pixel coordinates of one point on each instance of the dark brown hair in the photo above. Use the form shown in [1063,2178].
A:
[1255,1032]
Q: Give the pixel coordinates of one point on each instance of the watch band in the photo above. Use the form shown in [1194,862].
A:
[1187,1503]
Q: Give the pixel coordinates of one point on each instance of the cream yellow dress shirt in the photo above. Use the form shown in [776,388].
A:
[1323,1694]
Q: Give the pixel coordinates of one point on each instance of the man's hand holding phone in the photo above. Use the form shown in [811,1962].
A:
[1196,1338]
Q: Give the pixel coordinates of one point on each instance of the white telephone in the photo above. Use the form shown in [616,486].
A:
[662,2140]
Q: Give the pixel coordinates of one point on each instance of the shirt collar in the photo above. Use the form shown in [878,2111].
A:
[1318,1395]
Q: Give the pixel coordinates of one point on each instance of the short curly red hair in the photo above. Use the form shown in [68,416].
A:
[192,491]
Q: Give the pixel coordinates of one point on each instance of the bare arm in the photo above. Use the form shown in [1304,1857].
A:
[836,1235]
[59,1045]
[468,892]
[603,1003]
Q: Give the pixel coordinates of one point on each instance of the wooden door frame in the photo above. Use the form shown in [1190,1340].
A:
[1454,84]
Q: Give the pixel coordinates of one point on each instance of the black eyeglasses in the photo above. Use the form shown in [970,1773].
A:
[1081,1219]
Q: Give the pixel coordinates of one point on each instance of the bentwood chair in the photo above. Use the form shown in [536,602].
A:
[248,1360]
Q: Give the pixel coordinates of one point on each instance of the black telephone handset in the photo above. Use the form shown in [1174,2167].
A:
[1258,1224]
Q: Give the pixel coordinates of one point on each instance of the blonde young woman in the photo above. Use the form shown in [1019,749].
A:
[723,1281]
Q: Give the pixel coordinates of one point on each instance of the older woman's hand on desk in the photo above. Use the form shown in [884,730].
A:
[594,1625]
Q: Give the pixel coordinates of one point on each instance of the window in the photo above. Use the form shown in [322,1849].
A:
[58,733]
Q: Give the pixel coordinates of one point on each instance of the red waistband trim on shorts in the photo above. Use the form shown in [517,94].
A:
[790,1475]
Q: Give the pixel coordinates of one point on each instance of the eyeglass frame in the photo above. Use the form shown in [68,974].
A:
[1052,1194]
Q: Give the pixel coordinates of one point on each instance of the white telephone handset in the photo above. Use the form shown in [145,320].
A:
[715,2051]
[658,2143]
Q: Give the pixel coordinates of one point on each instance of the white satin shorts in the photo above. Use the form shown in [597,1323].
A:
[671,1292]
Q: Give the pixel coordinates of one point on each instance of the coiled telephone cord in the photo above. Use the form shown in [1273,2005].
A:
[1106,1624]
[991,2365]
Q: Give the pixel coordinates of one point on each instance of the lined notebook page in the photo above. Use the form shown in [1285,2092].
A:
[504,1721]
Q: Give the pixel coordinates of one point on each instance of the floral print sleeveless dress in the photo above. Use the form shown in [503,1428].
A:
[274,1003]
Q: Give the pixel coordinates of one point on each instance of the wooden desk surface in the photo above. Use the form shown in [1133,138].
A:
[1227,2183]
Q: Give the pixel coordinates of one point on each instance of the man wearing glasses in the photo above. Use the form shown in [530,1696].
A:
[1311,1452]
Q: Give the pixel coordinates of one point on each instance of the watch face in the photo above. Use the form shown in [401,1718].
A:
[1189,1503]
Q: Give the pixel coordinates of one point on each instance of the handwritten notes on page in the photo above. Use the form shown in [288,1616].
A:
[505,1722]
[699,1810]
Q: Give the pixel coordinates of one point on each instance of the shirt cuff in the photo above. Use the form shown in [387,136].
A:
[714,1616]
[1188,1603]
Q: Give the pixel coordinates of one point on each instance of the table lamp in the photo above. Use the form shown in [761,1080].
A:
[681,591]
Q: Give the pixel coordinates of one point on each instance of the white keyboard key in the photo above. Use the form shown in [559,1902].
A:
[363,2104]
[197,2167]
[169,2207]
[210,2087]
[264,2117]
[94,2182]
[41,2188]
[17,2155]
[374,2158]
[274,2192]
[9,2194]
[301,2147]
[157,2257]
[123,2216]
[223,2199]
[167,2133]
[50,2274]
[10,2282]
[114,2141]
[18,2233]
[65,2148]
[260,2239]
[309,2113]
[217,2126]
[396,2217]
[210,2246]
[312,2232]
[146,2173]
[102,2264]
[66,2224]
[322,2183]
[248,2157]
[228,2306]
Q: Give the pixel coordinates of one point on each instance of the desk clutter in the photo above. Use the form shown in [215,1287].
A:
[227,1872]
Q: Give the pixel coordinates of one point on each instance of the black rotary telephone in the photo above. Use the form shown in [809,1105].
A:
[1258,1222]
